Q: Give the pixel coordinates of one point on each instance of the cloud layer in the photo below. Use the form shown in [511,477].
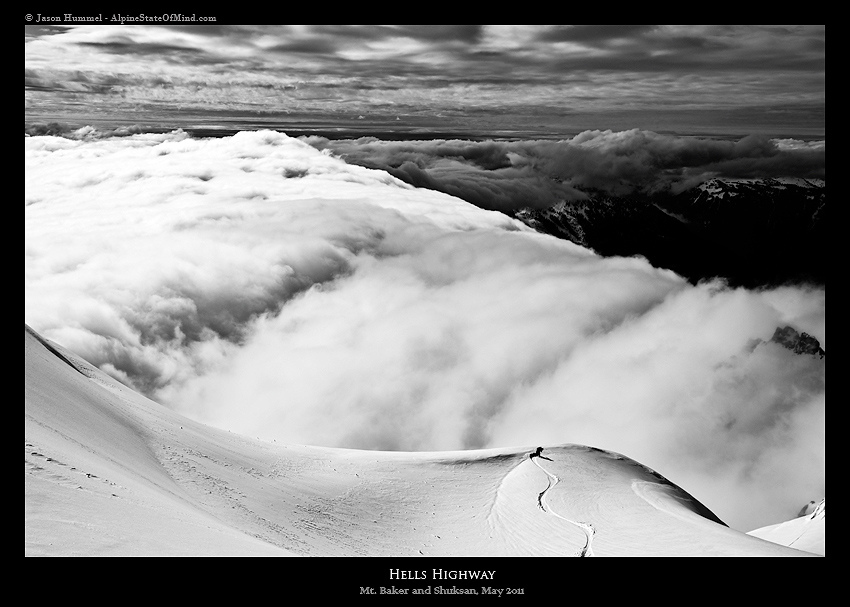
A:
[508,175]
[258,284]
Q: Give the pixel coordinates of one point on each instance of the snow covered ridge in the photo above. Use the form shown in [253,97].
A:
[109,472]
[811,182]
[721,186]
[806,532]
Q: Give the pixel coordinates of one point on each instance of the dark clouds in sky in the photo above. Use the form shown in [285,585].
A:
[507,175]
[550,73]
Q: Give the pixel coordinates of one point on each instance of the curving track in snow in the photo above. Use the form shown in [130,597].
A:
[589,530]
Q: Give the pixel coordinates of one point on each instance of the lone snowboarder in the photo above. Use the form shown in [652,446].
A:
[537,454]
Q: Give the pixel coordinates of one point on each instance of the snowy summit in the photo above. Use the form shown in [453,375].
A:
[109,472]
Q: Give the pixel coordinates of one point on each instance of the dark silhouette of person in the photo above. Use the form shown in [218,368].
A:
[537,454]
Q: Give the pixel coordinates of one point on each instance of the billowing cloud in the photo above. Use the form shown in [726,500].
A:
[260,285]
[508,175]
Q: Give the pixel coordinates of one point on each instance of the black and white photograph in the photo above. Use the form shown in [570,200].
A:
[423,292]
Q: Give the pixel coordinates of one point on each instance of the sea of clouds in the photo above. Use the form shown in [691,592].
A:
[260,285]
[509,175]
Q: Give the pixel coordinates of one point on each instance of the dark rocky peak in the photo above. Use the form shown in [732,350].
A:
[800,343]
[813,508]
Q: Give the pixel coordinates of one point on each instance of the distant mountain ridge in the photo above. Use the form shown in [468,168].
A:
[751,232]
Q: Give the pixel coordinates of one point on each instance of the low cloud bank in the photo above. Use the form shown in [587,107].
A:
[257,284]
[59,129]
[508,175]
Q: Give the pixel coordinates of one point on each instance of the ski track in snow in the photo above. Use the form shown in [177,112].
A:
[589,530]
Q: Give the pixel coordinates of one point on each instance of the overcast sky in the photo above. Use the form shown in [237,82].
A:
[726,80]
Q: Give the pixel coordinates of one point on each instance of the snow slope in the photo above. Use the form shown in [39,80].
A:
[806,532]
[109,472]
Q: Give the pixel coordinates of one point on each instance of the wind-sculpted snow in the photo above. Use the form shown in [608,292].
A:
[259,285]
[109,472]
